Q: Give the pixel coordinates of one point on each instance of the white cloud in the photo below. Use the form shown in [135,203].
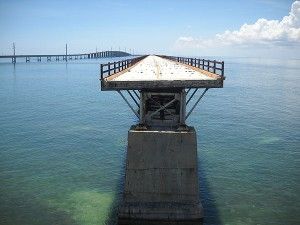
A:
[263,31]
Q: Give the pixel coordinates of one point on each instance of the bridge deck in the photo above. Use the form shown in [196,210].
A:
[157,72]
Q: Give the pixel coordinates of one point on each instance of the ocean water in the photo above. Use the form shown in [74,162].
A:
[63,144]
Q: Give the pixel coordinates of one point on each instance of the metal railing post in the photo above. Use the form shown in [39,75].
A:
[214,66]
[222,71]
[108,68]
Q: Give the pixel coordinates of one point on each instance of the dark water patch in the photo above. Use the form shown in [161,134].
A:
[21,208]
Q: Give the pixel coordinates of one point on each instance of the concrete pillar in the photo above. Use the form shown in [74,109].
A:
[161,181]
[182,108]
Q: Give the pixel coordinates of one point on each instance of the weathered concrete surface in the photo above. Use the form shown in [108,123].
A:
[154,68]
[155,72]
[161,181]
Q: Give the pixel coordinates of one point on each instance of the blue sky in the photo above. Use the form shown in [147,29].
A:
[147,26]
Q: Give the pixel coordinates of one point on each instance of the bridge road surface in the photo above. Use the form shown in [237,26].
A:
[157,68]
[155,72]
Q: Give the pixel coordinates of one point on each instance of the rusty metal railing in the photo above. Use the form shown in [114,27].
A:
[212,66]
[109,68]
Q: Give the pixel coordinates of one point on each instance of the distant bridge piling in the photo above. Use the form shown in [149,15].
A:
[66,58]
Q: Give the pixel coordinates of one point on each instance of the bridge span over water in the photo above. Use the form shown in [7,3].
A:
[64,57]
[161,177]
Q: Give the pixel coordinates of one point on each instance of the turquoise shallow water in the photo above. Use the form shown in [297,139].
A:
[63,144]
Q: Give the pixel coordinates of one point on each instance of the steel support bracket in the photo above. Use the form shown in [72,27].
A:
[129,104]
[196,103]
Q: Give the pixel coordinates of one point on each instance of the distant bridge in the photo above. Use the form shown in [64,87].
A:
[66,57]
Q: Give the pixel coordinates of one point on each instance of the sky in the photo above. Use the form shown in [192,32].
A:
[241,28]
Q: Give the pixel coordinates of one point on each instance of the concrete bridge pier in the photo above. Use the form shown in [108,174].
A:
[161,179]
[161,176]
[161,182]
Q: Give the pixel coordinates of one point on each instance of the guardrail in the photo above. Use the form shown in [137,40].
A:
[212,66]
[109,68]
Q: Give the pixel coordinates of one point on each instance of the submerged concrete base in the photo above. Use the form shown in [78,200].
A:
[161,181]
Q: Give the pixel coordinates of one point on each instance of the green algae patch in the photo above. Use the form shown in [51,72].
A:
[269,140]
[86,207]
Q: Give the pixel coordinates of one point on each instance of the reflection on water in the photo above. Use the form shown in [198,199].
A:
[63,144]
